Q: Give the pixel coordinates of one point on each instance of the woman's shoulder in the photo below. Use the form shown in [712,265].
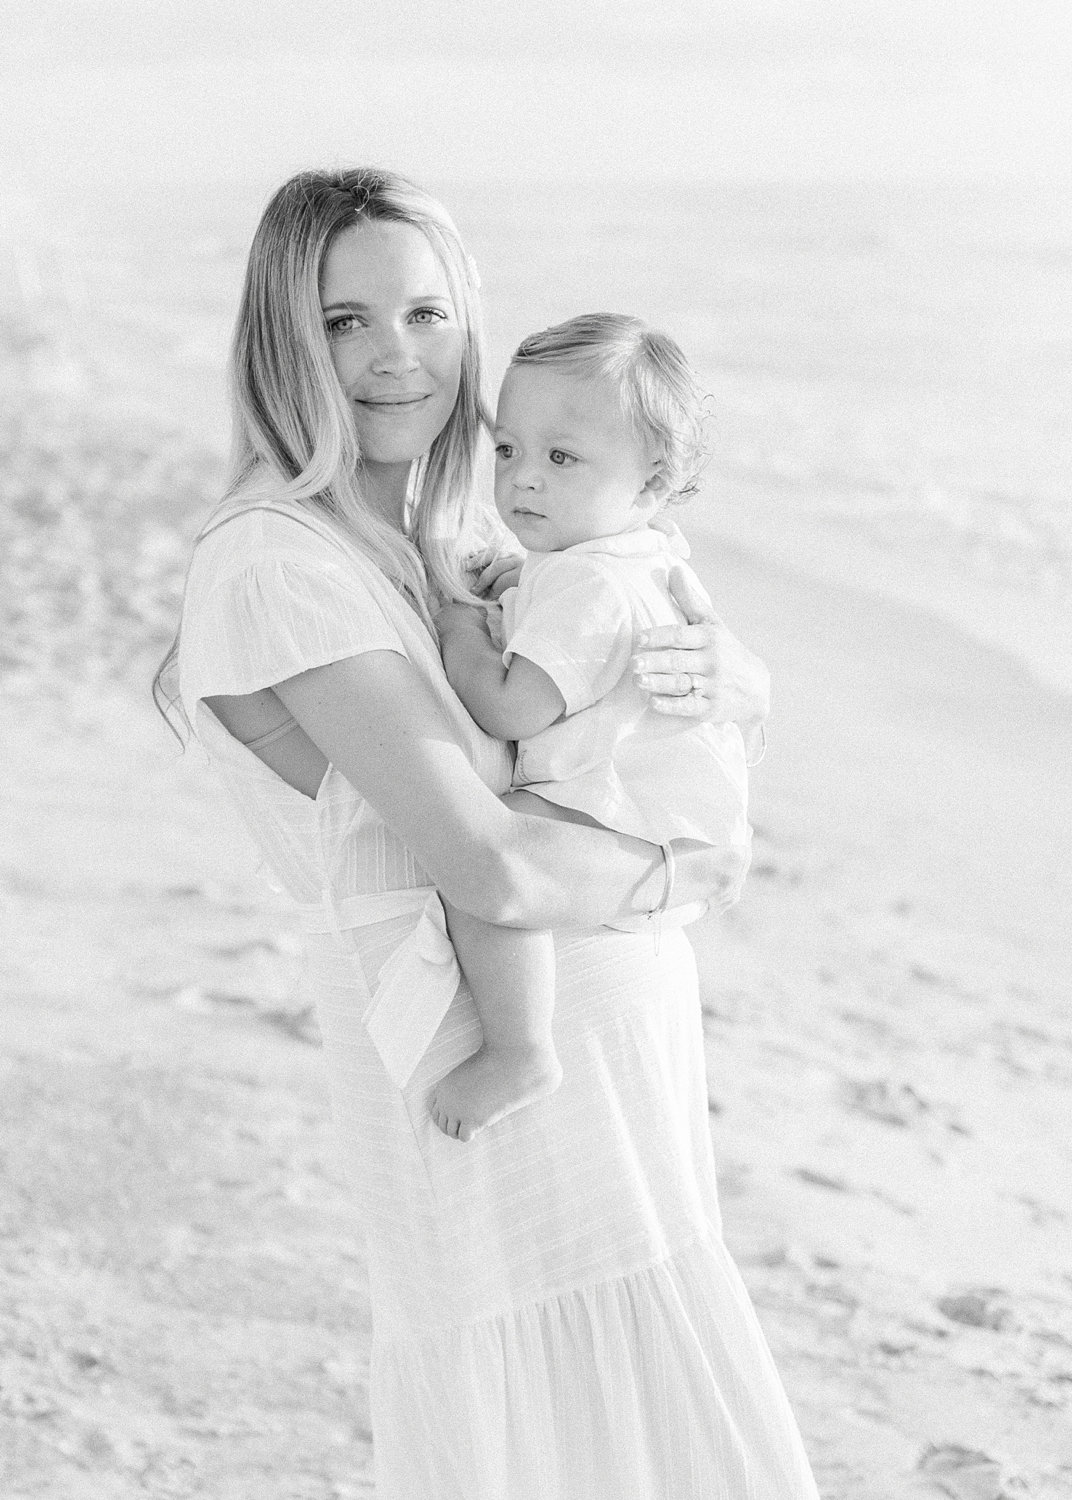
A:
[244,542]
[269,558]
[271,594]
[248,531]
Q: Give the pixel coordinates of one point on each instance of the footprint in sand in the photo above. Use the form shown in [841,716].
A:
[823,1180]
[299,1024]
[283,943]
[979,1308]
[897,1104]
[963,1473]
[879,1099]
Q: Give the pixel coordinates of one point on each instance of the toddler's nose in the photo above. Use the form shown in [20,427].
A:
[526,477]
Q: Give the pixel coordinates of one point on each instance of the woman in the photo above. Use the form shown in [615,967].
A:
[555,1317]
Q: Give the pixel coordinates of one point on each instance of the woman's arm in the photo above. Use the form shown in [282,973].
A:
[379,724]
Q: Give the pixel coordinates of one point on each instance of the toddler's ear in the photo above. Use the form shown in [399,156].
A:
[655,490]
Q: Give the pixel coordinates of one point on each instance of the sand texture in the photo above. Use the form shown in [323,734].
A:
[183,1307]
[890,1059]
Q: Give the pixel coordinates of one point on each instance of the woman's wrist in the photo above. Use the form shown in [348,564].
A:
[571,875]
[669,871]
[650,891]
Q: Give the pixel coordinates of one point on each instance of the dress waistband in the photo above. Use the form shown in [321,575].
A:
[418,981]
[340,913]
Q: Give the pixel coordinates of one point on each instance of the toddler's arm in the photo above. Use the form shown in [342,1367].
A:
[512,703]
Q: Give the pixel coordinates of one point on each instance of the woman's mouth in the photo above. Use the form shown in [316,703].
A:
[390,404]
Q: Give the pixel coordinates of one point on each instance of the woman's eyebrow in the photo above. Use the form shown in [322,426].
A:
[351,304]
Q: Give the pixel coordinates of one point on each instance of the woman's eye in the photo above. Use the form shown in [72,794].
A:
[344,324]
[561,458]
[428,315]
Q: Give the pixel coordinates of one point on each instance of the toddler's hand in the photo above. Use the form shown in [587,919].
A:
[495,572]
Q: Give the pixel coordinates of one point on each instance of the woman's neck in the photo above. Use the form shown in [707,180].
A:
[384,487]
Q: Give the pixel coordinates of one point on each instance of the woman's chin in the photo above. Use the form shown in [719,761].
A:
[390,455]
[392,441]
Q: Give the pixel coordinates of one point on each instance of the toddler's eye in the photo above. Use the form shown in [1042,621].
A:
[562,459]
[504,450]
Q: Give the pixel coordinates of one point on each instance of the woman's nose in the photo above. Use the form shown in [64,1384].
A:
[394,354]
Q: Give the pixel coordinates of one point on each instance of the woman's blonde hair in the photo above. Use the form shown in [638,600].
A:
[658,390]
[293,433]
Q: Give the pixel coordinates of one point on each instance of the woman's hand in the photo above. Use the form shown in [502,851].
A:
[700,670]
[719,873]
[495,572]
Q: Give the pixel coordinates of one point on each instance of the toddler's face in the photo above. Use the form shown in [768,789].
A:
[568,466]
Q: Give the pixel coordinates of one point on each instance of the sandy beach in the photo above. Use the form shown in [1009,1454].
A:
[889,1056]
[857,220]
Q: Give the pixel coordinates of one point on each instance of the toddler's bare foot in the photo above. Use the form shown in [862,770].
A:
[492,1084]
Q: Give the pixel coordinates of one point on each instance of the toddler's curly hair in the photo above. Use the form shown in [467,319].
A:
[659,392]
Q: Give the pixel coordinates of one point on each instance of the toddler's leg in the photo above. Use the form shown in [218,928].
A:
[512,978]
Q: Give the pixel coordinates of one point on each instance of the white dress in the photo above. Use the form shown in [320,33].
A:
[555,1316]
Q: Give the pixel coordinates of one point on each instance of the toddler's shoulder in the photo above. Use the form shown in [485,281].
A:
[577,583]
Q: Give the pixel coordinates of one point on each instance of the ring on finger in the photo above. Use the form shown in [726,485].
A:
[696,685]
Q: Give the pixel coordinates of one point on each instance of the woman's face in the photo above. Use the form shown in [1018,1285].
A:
[395,338]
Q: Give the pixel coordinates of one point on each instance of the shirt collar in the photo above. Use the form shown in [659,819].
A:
[645,541]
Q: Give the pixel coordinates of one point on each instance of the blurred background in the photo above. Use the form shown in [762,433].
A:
[856,216]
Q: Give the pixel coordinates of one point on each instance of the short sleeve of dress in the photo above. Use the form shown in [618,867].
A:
[274,619]
[572,618]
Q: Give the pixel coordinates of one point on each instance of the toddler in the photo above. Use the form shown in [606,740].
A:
[599,425]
